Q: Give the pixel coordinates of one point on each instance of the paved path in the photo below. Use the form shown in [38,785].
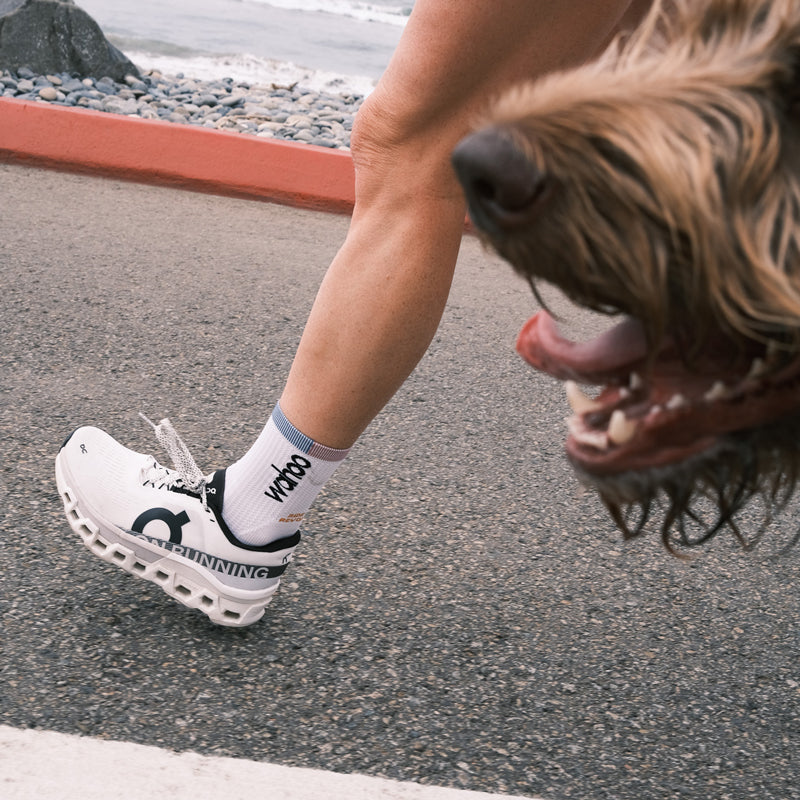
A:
[461,614]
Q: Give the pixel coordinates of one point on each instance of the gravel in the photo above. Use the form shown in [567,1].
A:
[290,112]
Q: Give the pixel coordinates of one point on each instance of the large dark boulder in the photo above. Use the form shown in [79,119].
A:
[51,36]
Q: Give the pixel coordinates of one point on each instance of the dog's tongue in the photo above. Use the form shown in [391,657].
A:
[614,354]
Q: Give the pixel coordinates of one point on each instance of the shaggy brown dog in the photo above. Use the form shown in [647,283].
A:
[662,183]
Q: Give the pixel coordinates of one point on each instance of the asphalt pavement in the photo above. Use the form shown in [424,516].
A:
[461,613]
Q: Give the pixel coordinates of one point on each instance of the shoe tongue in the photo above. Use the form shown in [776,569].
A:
[215,490]
[215,497]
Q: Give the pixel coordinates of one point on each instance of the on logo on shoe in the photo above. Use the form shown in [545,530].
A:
[174,522]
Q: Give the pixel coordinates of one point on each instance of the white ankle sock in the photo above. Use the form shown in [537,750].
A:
[270,488]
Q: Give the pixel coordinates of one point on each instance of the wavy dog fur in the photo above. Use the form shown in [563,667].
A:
[690,164]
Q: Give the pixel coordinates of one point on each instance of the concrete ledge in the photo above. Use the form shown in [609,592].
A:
[44,764]
[184,156]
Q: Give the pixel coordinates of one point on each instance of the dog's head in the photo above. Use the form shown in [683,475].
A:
[662,183]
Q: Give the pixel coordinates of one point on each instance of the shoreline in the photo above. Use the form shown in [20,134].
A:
[182,143]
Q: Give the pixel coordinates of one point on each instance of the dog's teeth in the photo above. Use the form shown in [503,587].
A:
[578,401]
[635,382]
[757,369]
[585,436]
[654,411]
[717,392]
[676,401]
[621,429]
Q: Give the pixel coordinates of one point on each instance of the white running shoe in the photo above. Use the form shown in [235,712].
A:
[166,525]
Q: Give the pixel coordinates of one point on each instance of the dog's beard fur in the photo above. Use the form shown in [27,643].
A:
[667,188]
[761,462]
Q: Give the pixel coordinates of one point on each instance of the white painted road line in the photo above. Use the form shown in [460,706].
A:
[42,765]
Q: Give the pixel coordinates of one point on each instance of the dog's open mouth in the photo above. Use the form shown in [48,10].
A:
[656,411]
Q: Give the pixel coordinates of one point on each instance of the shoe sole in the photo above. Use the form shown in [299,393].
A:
[175,576]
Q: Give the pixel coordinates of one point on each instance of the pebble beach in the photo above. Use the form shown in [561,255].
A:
[289,112]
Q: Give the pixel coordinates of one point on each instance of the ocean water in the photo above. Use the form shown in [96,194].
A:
[340,45]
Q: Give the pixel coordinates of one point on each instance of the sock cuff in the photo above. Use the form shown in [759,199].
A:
[302,442]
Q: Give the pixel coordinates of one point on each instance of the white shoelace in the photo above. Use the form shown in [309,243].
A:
[186,471]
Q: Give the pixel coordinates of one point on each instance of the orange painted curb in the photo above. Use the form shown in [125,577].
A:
[185,156]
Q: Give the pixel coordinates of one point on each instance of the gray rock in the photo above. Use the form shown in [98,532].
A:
[299,122]
[106,87]
[51,36]
[72,85]
[118,105]
[135,82]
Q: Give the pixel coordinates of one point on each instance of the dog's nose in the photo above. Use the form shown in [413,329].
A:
[501,185]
